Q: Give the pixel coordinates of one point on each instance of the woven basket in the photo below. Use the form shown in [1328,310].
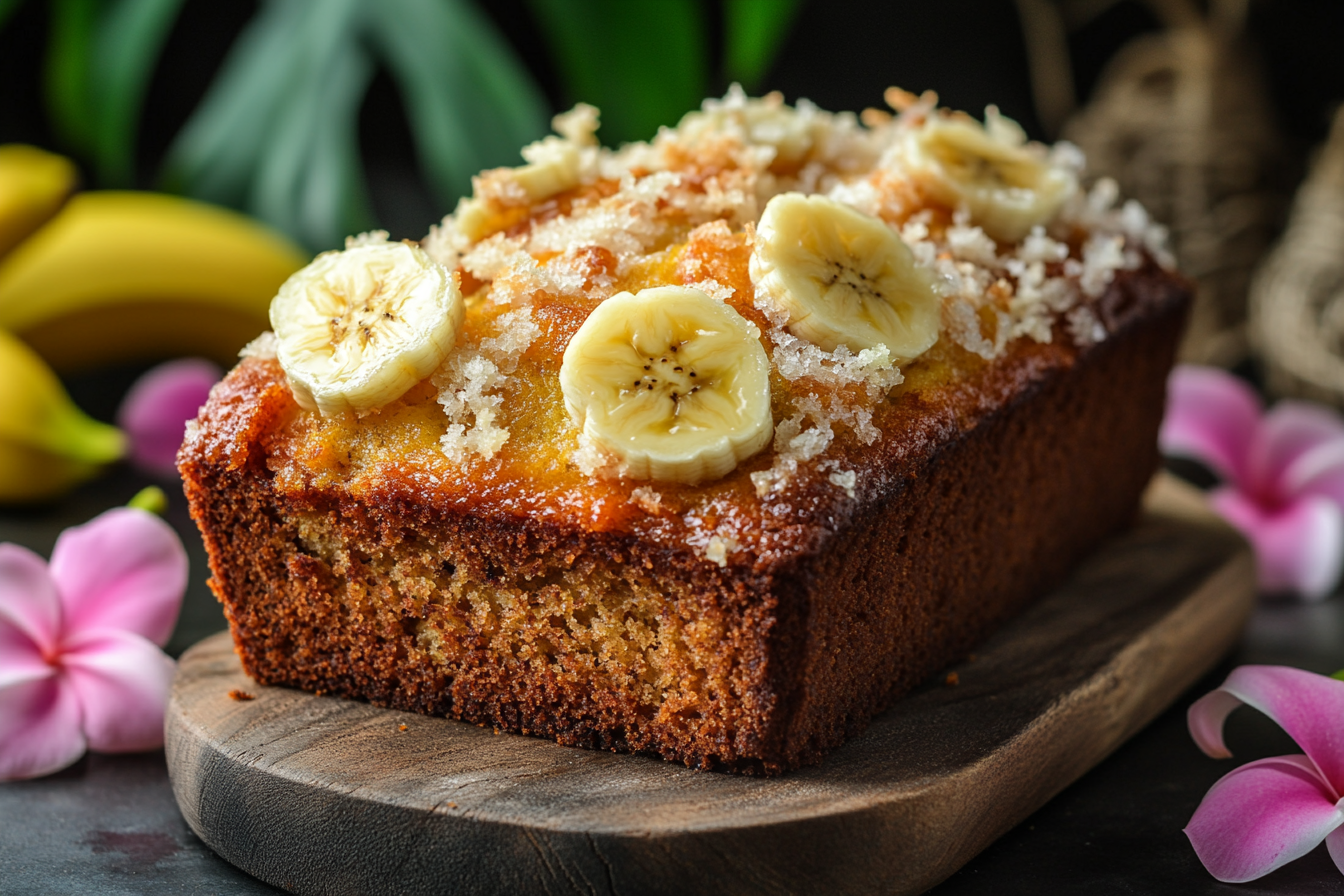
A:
[1297,297]
[1181,120]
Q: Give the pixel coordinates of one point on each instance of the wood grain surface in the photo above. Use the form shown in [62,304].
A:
[325,796]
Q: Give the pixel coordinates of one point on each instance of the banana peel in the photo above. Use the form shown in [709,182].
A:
[34,184]
[105,278]
[47,444]
[123,277]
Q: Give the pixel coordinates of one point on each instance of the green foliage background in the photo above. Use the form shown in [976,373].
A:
[276,134]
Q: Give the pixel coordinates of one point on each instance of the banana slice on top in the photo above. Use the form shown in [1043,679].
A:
[552,167]
[672,382]
[355,329]
[1007,188]
[843,277]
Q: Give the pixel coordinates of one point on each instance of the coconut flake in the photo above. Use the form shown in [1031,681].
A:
[1103,255]
[714,289]
[647,500]
[263,347]
[719,547]
[961,323]
[471,382]
[844,480]
[368,238]
[590,458]
[1085,327]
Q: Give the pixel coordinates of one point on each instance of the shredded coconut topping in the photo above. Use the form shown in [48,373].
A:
[533,230]
[592,460]
[716,543]
[797,359]
[647,500]
[720,547]
[844,480]
[368,238]
[264,347]
[471,385]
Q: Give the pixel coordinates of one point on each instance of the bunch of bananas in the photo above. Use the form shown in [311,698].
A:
[99,278]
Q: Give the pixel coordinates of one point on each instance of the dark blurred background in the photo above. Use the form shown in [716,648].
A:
[1265,99]
[839,53]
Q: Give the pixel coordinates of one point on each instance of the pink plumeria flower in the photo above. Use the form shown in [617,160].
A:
[80,664]
[1267,813]
[1282,472]
[155,411]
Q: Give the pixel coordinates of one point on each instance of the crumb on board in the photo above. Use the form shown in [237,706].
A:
[241,695]
[402,727]
[952,680]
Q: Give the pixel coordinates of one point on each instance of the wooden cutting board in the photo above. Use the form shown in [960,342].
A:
[321,795]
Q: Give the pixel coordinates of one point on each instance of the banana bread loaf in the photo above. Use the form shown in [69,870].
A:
[706,448]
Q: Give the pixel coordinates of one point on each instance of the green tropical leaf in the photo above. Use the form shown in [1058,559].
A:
[277,133]
[753,32]
[643,64]
[216,153]
[308,180]
[99,60]
[7,7]
[125,50]
[67,71]
[469,102]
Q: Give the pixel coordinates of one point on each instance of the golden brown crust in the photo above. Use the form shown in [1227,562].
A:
[610,631]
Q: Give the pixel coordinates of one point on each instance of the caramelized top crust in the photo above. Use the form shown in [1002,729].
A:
[393,458]
[488,435]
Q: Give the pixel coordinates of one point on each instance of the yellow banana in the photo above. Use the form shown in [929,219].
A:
[119,277]
[47,444]
[33,185]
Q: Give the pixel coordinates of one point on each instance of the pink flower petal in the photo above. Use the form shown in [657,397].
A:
[1317,471]
[1205,719]
[122,683]
[1262,816]
[1211,417]
[1308,706]
[156,410]
[1334,842]
[124,569]
[28,599]
[20,659]
[39,728]
[1290,430]
[1299,547]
